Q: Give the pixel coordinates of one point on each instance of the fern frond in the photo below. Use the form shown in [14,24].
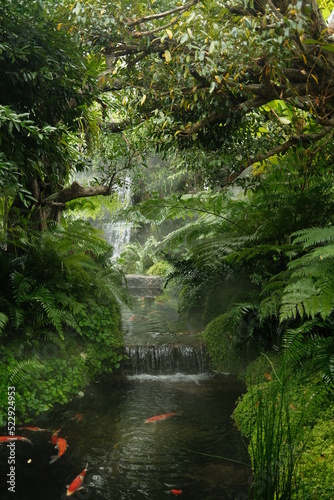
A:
[270,306]
[298,343]
[3,321]
[22,368]
[45,299]
[293,298]
[50,336]
[306,298]
[322,256]
[314,236]
[16,315]
[21,286]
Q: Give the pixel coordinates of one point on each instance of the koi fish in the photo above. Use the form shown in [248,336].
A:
[34,429]
[77,417]
[6,439]
[54,436]
[76,484]
[173,491]
[160,417]
[62,447]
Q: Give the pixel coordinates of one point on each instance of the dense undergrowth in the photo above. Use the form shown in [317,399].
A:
[59,316]
[286,418]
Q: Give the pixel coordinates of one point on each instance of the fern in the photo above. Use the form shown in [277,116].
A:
[270,306]
[3,321]
[298,343]
[314,236]
[310,291]
[22,368]
[21,286]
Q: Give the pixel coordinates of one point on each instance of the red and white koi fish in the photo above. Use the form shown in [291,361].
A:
[76,484]
[34,429]
[62,447]
[54,436]
[7,439]
[160,417]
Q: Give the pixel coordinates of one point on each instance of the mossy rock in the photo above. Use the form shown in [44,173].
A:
[226,352]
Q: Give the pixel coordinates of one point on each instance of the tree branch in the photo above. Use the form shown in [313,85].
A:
[282,148]
[163,14]
[216,116]
[139,34]
[75,191]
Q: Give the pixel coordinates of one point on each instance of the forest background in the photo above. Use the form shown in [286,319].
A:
[221,116]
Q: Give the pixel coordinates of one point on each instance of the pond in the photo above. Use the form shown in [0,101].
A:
[196,450]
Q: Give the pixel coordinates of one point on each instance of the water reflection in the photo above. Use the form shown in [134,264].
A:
[129,459]
[156,321]
[198,450]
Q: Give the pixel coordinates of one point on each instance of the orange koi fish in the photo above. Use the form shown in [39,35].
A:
[173,491]
[76,484]
[159,417]
[54,436]
[7,439]
[34,429]
[62,447]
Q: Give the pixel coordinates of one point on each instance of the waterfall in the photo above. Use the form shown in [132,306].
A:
[118,233]
[165,359]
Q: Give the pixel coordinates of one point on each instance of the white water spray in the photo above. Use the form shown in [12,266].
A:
[118,233]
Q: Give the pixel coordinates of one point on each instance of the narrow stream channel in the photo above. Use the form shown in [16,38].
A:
[197,449]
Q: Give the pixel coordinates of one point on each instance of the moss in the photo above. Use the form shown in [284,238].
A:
[226,353]
[317,462]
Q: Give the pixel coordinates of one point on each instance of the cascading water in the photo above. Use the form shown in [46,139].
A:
[193,449]
[118,233]
[166,359]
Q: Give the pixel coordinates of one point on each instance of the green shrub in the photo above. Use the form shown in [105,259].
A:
[160,268]
[317,461]
[280,415]
[229,339]
[59,318]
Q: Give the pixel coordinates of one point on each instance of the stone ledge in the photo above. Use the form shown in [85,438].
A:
[144,282]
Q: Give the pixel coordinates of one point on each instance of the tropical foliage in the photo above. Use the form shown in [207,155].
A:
[277,415]
[59,315]
[215,94]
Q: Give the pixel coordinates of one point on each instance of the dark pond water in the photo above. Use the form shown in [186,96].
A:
[198,450]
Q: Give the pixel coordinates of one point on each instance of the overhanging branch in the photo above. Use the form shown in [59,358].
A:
[75,191]
[216,116]
[139,34]
[281,149]
[163,14]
